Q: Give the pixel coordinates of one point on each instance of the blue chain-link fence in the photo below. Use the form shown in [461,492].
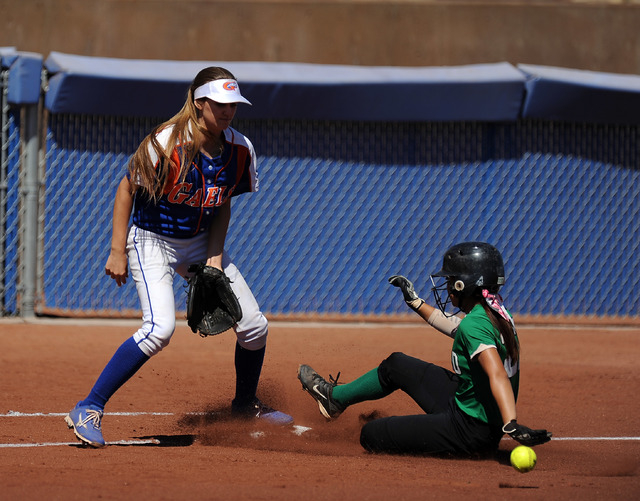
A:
[9,202]
[344,205]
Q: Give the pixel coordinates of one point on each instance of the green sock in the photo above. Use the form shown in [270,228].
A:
[366,387]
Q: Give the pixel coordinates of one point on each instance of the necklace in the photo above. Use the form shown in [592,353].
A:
[213,149]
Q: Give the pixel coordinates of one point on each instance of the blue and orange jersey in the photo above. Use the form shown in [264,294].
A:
[186,208]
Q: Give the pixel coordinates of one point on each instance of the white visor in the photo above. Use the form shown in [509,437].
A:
[221,91]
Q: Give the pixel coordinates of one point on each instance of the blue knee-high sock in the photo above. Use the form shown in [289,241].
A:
[125,363]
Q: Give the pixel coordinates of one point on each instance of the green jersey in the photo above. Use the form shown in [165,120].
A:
[475,334]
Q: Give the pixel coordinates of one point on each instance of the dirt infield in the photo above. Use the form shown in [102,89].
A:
[171,437]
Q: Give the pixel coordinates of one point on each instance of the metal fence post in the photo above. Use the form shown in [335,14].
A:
[30,191]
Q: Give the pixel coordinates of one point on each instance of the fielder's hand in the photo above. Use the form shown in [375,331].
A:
[409,293]
[526,436]
[117,268]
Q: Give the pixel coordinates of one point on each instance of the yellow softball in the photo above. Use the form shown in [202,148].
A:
[523,459]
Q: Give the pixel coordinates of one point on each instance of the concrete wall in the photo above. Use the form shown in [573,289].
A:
[592,35]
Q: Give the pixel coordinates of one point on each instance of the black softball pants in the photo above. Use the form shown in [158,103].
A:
[444,429]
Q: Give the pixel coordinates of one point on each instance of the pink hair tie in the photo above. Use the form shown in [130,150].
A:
[495,303]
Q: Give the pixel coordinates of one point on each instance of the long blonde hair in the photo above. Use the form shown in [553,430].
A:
[142,170]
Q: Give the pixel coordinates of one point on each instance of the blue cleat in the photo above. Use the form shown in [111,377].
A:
[85,421]
[264,413]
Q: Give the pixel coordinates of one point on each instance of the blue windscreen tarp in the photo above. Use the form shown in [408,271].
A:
[581,96]
[107,86]
[25,70]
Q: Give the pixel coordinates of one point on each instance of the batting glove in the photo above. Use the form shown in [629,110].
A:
[409,293]
[526,436]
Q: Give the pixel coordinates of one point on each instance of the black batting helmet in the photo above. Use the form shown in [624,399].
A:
[467,268]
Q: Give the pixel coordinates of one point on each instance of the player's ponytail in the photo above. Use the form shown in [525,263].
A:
[505,328]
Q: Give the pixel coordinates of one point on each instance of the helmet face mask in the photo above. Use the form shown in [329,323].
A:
[441,290]
[467,268]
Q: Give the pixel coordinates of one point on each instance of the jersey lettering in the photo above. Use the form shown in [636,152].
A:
[194,201]
[175,196]
[215,196]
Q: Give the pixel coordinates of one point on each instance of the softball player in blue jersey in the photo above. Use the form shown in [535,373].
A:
[179,186]
[467,410]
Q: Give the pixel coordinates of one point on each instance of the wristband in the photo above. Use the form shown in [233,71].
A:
[512,426]
[415,303]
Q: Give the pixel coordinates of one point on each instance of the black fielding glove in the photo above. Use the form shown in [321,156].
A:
[212,306]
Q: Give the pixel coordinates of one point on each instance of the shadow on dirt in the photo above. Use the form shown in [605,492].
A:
[168,440]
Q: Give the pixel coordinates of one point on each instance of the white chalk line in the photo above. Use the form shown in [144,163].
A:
[61,414]
[595,438]
[77,442]
[296,429]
